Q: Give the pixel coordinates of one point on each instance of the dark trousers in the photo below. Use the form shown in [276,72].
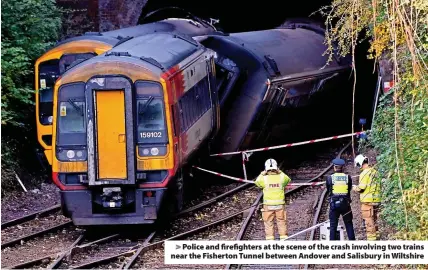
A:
[343,210]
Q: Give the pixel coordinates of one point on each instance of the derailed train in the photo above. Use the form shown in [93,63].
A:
[127,122]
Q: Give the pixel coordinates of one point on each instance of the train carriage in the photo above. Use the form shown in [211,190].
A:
[126,121]
[270,75]
[74,50]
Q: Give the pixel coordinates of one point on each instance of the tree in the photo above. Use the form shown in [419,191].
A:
[398,30]
[28,28]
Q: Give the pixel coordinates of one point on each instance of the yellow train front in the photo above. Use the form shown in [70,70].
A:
[126,122]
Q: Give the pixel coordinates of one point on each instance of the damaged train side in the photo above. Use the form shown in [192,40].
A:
[272,78]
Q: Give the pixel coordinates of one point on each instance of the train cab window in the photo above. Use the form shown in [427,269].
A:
[71,116]
[71,128]
[226,75]
[68,60]
[151,125]
[48,74]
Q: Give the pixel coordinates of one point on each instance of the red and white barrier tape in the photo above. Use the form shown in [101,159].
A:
[291,144]
[252,182]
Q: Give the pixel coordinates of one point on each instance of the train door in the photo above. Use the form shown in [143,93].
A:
[111,139]
[111,134]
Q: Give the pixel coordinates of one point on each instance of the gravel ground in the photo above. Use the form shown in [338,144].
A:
[306,171]
[154,259]
[32,226]
[299,216]
[39,247]
[18,204]
[360,233]
[222,208]
[203,193]
[97,252]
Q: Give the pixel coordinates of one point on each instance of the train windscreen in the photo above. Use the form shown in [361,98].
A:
[48,73]
[71,128]
[151,125]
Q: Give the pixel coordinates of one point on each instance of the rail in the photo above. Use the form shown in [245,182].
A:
[244,225]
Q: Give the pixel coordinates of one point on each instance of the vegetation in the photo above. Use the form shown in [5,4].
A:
[28,27]
[397,30]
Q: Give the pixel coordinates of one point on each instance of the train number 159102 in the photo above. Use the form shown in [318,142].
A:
[156,134]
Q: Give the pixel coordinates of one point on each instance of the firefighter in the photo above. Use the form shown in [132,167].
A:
[339,186]
[369,189]
[273,181]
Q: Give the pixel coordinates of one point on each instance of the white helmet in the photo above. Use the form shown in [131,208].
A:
[359,160]
[271,164]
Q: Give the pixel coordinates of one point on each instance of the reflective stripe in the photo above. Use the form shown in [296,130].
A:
[274,201]
[340,183]
[274,207]
[270,237]
[265,180]
[371,186]
[283,236]
[273,191]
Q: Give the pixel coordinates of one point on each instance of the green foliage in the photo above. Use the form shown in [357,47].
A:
[28,28]
[398,30]
[413,155]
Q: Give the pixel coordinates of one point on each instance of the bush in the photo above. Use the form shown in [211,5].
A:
[399,132]
[29,28]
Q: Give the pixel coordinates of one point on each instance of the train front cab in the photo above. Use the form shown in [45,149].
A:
[47,70]
[118,146]
[56,61]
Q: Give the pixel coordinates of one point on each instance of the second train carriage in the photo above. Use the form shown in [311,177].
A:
[267,77]
[68,52]
[125,123]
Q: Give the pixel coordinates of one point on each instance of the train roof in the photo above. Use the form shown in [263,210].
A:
[160,49]
[286,51]
[171,25]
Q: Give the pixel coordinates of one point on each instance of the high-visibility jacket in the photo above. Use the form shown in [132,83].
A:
[369,186]
[339,185]
[273,184]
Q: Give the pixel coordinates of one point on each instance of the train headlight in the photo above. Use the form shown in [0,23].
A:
[154,151]
[70,154]
[50,119]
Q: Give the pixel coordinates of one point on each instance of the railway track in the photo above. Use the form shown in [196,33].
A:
[198,221]
[71,256]
[180,228]
[300,201]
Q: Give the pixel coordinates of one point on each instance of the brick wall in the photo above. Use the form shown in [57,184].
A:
[80,16]
[99,15]
[116,14]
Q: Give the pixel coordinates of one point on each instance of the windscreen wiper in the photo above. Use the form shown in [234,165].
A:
[146,105]
[79,109]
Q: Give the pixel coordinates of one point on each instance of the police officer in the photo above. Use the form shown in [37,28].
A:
[369,189]
[339,186]
[273,181]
